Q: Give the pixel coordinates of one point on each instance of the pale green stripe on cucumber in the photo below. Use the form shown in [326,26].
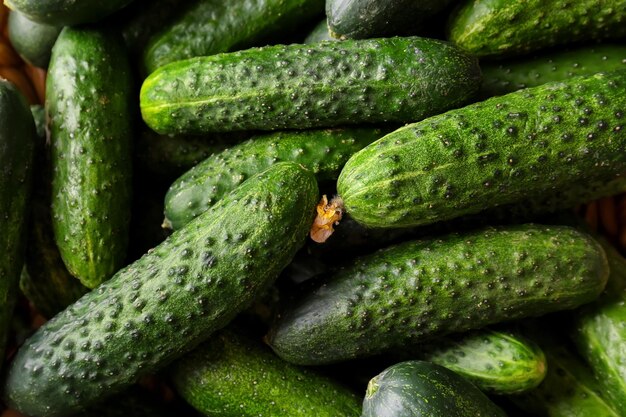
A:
[525,145]
[423,289]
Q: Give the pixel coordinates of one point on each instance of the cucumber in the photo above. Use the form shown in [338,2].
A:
[305,86]
[324,152]
[524,145]
[65,12]
[214,26]
[18,138]
[600,335]
[501,27]
[167,302]
[506,77]
[428,288]
[319,33]
[89,95]
[358,19]
[497,362]
[32,40]
[416,389]
[234,376]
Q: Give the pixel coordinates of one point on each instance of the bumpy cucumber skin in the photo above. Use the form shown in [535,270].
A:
[416,389]
[18,138]
[65,12]
[495,361]
[32,40]
[304,86]
[359,19]
[324,152]
[214,26]
[319,33]
[524,145]
[505,77]
[427,288]
[88,93]
[502,27]
[167,302]
[233,376]
[600,335]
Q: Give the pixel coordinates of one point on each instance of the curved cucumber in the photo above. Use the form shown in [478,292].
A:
[524,145]
[305,86]
[89,107]
[66,12]
[167,302]
[416,389]
[496,362]
[32,40]
[502,27]
[324,152]
[214,26]
[233,376]
[423,289]
[508,76]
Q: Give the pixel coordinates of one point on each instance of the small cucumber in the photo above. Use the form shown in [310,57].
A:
[508,76]
[65,12]
[234,376]
[359,19]
[319,33]
[600,334]
[525,145]
[32,40]
[88,100]
[214,26]
[421,389]
[497,362]
[304,86]
[428,288]
[502,27]
[18,138]
[167,302]
[324,152]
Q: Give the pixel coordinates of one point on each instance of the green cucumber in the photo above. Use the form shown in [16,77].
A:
[428,288]
[89,95]
[600,335]
[324,152]
[234,376]
[422,389]
[32,40]
[167,302]
[498,362]
[358,19]
[65,12]
[18,137]
[525,145]
[305,86]
[502,27]
[508,76]
[319,33]
[214,26]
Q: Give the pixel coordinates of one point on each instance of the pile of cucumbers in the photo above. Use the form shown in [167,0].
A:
[340,208]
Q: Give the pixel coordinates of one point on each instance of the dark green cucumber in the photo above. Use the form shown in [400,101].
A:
[428,288]
[525,145]
[235,376]
[498,362]
[304,86]
[214,26]
[18,139]
[600,334]
[167,302]
[508,76]
[66,12]
[358,19]
[89,95]
[422,389]
[319,33]
[324,152]
[502,27]
[32,40]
